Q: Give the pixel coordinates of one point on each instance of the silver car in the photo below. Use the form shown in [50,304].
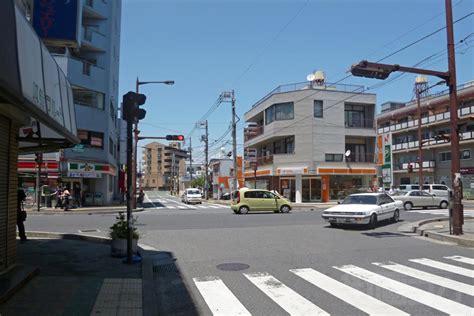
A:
[416,198]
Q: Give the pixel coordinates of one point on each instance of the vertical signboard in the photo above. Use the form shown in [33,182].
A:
[387,174]
[52,87]
[56,19]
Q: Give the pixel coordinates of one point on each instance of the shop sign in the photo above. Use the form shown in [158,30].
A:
[386,173]
[79,148]
[79,174]
[292,171]
[89,167]
[467,170]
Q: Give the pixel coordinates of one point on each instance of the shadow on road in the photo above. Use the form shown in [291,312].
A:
[363,227]
[172,296]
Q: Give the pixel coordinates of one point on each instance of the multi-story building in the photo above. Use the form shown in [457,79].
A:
[221,169]
[397,127]
[163,166]
[84,38]
[312,140]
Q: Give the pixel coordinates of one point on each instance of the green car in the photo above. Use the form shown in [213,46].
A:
[259,200]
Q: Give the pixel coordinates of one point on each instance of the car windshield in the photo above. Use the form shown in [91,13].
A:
[193,192]
[360,199]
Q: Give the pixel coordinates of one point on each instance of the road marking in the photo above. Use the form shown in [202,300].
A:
[182,207]
[285,297]
[146,197]
[434,301]
[356,298]
[428,277]
[201,206]
[212,206]
[444,266]
[218,297]
[461,259]
[171,207]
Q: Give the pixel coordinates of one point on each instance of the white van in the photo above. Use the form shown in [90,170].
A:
[436,189]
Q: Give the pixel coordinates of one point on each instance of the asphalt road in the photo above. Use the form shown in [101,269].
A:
[275,264]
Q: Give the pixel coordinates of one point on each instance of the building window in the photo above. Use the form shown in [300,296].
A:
[334,157]
[279,112]
[464,154]
[92,139]
[111,147]
[355,116]
[318,108]
[88,98]
[289,145]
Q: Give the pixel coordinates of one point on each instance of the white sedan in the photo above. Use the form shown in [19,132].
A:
[423,199]
[364,208]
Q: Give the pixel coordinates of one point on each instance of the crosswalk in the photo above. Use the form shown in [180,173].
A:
[175,204]
[442,212]
[221,301]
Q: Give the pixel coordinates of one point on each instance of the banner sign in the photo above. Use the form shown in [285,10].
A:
[56,19]
[74,174]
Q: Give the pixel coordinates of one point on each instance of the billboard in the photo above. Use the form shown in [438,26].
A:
[56,19]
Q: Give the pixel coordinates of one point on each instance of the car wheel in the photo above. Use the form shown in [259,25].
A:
[443,204]
[285,209]
[243,210]
[396,216]
[407,206]
[333,225]
[373,221]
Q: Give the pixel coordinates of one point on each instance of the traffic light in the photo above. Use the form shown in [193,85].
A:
[175,137]
[131,107]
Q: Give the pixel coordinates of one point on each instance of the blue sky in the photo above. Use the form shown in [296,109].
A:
[252,47]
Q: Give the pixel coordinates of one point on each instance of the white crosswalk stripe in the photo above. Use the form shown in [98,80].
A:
[221,301]
[429,277]
[344,292]
[285,297]
[426,298]
[461,259]
[170,207]
[219,298]
[444,266]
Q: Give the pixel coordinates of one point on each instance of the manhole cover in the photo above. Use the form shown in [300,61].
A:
[232,266]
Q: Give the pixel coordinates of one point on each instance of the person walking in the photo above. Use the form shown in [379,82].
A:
[77,194]
[66,198]
[21,215]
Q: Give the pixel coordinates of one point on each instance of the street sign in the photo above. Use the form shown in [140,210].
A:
[250,154]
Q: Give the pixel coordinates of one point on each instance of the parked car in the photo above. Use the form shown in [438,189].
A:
[192,196]
[225,196]
[437,189]
[423,199]
[363,209]
[259,200]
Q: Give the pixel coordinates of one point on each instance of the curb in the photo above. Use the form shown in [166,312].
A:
[443,237]
[82,212]
[413,227]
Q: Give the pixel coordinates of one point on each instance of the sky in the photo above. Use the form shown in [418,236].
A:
[211,46]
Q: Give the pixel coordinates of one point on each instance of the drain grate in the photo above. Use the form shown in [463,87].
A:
[89,231]
[232,266]
[170,267]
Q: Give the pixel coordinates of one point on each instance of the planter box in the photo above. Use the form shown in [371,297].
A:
[119,247]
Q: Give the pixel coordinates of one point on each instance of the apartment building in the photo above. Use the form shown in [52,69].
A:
[397,129]
[312,140]
[84,38]
[163,166]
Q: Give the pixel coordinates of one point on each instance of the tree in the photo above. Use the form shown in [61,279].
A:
[198,182]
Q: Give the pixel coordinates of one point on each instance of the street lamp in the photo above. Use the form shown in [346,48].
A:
[382,71]
[136,132]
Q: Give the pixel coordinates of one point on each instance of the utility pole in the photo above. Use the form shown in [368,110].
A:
[39,161]
[206,149]
[458,216]
[129,189]
[173,172]
[234,144]
[190,159]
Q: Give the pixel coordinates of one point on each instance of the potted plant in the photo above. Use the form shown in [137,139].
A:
[118,233]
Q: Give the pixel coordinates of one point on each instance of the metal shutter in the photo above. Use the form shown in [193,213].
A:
[4,168]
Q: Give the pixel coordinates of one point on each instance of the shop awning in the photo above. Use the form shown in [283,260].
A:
[32,83]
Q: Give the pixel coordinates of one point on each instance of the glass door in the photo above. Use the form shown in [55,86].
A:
[287,187]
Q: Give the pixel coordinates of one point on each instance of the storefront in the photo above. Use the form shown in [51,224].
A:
[37,113]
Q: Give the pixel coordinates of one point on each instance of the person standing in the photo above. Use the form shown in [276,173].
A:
[66,198]
[77,194]
[21,215]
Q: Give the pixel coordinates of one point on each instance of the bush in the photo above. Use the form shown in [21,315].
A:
[119,229]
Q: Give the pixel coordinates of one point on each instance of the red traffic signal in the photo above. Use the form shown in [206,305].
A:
[175,137]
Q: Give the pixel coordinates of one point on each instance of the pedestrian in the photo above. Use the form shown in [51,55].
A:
[77,194]
[141,197]
[66,196]
[57,194]
[21,215]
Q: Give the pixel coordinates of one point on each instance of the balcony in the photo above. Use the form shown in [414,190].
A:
[443,117]
[413,145]
[361,123]
[360,157]
[83,73]
[252,132]
[94,9]
[93,40]
[403,167]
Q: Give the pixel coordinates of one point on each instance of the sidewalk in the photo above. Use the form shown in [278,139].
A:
[81,210]
[75,278]
[438,228]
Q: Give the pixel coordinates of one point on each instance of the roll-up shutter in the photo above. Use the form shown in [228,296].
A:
[4,171]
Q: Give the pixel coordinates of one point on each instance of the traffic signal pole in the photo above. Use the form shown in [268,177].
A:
[206,149]
[129,191]
[234,144]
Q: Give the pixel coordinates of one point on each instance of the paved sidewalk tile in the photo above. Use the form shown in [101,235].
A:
[119,297]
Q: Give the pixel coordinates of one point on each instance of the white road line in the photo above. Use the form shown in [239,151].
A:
[444,266]
[461,259]
[212,206]
[426,298]
[182,207]
[146,196]
[171,207]
[201,206]
[428,277]
[356,298]
[218,297]
[288,299]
